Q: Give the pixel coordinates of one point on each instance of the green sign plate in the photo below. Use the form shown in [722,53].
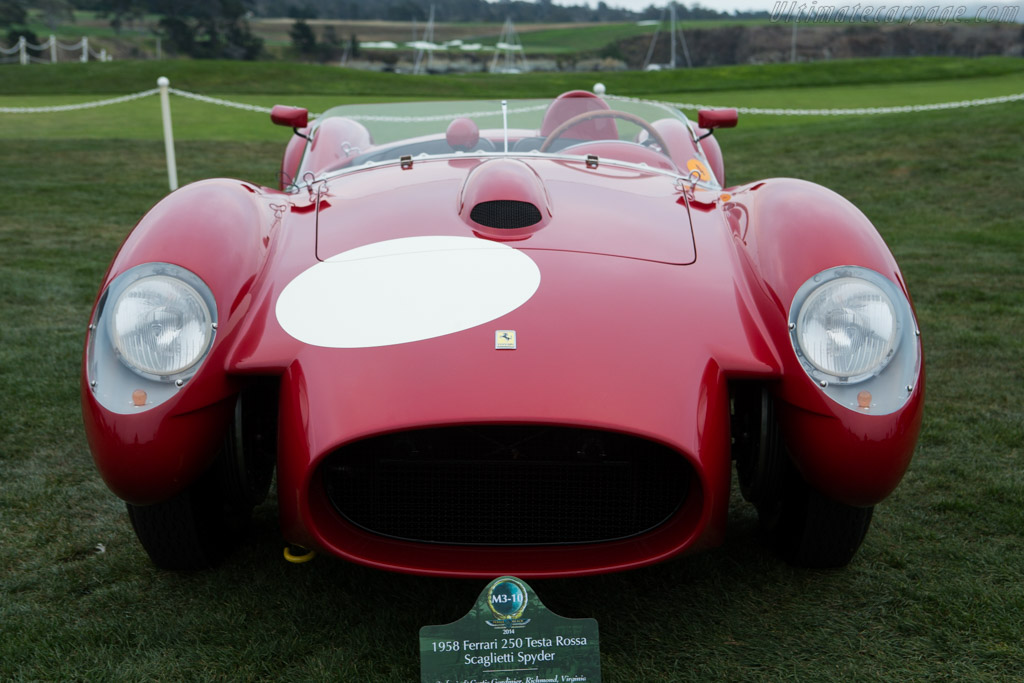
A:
[510,637]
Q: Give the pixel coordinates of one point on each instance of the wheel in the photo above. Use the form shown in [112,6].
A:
[810,530]
[249,451]
[198,527]
[804,526]
[193,530]
[604,114]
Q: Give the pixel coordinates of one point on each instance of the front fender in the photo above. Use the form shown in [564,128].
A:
[231,219]
[788,232]
[150,452]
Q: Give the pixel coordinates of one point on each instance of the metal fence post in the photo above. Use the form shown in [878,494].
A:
[165,108]
[53,49]
[22,52]
[85,49]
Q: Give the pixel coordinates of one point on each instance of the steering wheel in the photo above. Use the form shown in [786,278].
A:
[603,114]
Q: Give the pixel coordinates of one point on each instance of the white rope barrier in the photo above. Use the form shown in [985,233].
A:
[446,117]
[164,90]
[22,47]
[220,102]
[358,117]
[858,111]
[82,105]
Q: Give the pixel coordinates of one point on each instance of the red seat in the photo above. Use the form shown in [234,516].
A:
[573,103]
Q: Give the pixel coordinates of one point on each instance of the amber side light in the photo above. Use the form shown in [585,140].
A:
[864,399]
[139,398]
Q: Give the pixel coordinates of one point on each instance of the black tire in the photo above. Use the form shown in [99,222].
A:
[811,530]
[197,528]
[807,528]
[193,530]
[249,453]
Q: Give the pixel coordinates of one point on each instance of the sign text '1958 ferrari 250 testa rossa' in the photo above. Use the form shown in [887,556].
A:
[520,338]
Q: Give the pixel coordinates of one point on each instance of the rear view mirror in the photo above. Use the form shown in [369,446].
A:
[293,117]
[709,119]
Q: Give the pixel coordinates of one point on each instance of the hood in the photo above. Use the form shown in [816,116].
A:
[540,204]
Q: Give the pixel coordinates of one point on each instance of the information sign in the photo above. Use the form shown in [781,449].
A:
[510,637]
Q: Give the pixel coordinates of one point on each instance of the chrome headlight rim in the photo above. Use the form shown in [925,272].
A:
[190,285]
[892,299]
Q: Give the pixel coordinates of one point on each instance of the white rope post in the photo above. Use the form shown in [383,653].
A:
[22,52]
[165,108]
[53,49]
[85,49]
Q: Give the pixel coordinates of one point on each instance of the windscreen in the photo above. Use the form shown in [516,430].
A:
[577,124]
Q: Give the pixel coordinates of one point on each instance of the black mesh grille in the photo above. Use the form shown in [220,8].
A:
[506,214]
[493,485]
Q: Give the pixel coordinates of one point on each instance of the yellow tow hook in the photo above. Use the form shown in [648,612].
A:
[296,554]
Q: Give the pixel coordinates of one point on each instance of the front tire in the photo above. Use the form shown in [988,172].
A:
[193,530]
[811,530]
[198,527]
[805,527]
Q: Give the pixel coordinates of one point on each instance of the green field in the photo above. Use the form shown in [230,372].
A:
[140,120]
[285,78]
[936,592]
[861,83]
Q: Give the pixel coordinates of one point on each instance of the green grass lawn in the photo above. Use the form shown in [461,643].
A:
[260,78]
[140,119]
[837,85]
[936,592]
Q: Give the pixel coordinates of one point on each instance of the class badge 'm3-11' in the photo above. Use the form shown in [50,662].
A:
[509,636]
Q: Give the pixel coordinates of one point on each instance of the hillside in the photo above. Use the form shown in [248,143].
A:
[579,46]
[770,43]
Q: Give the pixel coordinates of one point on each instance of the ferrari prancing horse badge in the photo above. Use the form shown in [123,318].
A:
[505,339]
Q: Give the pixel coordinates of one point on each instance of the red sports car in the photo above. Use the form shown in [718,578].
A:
[488,338]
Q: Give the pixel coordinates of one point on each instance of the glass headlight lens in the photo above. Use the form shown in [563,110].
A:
[847,328]
[161,326]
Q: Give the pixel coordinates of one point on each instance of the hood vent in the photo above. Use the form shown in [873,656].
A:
[506,214]
[504,199]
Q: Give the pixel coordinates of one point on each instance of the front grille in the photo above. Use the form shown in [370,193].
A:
[506,214]
[506,485]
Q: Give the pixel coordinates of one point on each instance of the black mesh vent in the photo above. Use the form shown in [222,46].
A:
[500,485]
[506,214]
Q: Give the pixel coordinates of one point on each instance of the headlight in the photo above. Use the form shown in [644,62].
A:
[847,328]
[150,332]
[160,326]
[854,333]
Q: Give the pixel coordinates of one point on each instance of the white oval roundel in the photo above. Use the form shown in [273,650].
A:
[405,290]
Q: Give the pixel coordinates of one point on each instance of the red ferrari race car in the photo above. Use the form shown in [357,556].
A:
[510,337]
